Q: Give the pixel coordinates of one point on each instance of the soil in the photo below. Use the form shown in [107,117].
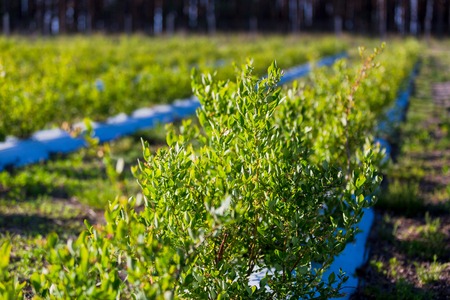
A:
[404,250]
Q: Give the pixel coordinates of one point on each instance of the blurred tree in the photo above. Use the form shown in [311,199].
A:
[159,16]
[414,26]
[6,25]
[339,11]
[382,17]
[440,9]
[428,18]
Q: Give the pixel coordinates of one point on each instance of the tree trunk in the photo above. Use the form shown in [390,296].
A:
[24,7]
[350,7]
[62,15]
[413,25]
[399,16]
[6,21]
[128,19]
[309,12]
[448,17]
[428,18]
[193,13]
[90,16]
[382,17]
[294,15]
[158,18]
[211,16]
[253,21]
[338,16]
[440,17]
[47,18]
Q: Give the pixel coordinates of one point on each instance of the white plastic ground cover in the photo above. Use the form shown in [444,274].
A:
[45,142]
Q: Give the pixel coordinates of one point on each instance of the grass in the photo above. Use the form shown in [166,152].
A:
[401,290]
[431,273]
[57,196]
[84,177]
[401,197]
[410,241]
[428,242]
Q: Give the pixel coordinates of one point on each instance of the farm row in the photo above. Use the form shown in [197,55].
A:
[409,255]
[44,143]
[262,164]
[45,83]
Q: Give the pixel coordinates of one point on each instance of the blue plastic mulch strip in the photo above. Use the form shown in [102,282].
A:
[45,142]
[149,117]
[57,140]
[354,254]
[20,153]
[303,70]
[395,114]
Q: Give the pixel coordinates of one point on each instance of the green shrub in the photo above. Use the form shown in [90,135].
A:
[256,186]
[10,287]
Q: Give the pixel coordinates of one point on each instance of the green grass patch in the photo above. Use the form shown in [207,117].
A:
[401,197]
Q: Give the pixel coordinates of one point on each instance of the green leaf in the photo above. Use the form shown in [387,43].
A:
[52,239]
[5,251]
[36,282]
[331,278]
[360,181]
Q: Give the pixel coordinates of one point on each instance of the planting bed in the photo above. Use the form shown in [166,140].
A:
[58,195]
[409,245]
[63,80]
[42,144]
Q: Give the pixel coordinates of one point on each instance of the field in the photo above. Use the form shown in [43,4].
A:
[68,79]
[409,246]
[296,163]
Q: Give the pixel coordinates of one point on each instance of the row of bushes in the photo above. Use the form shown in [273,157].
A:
[44,83]
[269,179]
